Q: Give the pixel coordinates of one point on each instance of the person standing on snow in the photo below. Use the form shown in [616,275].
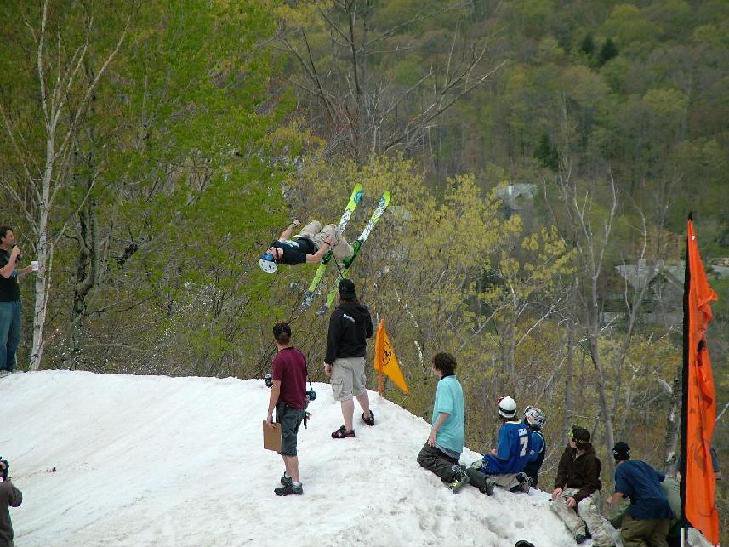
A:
[504,465]
[576,495]
[10,307]
[443,448]
[288,397]
[349,328]
[647,520]
[9,497]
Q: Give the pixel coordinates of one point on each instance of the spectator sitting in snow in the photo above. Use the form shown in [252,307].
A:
[576,496]
[288,397]
[308,247]
[535,419]
[445,443]
[9,496]
[349,328]
[647,520]
[504,465]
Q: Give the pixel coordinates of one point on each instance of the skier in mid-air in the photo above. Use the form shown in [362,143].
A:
[308,247]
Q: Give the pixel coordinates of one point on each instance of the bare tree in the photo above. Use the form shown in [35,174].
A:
[365,114]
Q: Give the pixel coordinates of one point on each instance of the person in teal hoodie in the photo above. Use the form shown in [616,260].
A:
[442,450]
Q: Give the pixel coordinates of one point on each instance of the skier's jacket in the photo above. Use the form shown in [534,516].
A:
[9,496]
[513,451]
[536,455]
[349,328]
[581,472]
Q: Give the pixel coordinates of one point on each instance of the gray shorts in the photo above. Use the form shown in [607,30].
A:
[290,420]
[348,378]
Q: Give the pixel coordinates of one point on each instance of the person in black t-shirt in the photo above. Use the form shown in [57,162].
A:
[308,247]
[9,298]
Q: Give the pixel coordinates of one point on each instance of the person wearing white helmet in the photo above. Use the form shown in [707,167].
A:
[535,419]
[308,247]
[504,465]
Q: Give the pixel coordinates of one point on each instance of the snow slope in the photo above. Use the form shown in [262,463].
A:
[151,460]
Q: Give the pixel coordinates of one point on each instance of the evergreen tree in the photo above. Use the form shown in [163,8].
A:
[608,51]
[588,45]
[546,153]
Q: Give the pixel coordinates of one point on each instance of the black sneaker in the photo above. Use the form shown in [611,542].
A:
[285,479]
[524,482]
[370,420]
[289,489]
[487,488]
[480,481]
[460,479]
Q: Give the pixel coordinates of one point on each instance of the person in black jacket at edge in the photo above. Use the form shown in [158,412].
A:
[349,328]
[9,497]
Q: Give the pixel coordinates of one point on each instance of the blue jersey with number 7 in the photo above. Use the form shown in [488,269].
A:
[513,451]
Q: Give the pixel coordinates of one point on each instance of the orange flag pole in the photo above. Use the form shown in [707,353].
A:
[698,412]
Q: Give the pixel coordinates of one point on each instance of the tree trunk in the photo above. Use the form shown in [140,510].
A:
[45,251]
[86,268]
[673,428]
[569,403]
[602,393]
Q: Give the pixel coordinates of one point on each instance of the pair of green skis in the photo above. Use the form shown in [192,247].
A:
[354,199]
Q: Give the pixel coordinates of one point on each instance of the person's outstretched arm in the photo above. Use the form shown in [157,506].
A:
[317,256]
[286,234]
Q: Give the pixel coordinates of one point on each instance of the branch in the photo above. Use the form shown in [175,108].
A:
[86,98]
[39,62]
[21,156]
[437,108]
[723,410]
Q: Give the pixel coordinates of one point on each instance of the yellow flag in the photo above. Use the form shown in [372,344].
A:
[385,359]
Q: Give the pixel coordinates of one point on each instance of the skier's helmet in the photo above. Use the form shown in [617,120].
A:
[267,263]
[534,417]
[507,407]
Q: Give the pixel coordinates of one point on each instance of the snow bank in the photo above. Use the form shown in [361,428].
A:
[151,460]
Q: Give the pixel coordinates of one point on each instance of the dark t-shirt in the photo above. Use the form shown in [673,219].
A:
[289,366]
[9,289]
[295,250]
[642,484]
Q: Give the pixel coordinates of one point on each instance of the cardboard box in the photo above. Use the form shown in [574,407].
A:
[272,436]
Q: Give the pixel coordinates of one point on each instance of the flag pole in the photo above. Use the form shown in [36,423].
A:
[685,386]
[378,351]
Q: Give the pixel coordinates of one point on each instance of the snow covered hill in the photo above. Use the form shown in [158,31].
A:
[150,460]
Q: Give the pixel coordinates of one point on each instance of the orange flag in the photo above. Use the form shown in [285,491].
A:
[385,359]
[699,398]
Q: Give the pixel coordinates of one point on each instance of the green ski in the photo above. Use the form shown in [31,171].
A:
[354,199]
[357,246]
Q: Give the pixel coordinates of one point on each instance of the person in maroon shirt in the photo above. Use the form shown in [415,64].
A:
[288,397]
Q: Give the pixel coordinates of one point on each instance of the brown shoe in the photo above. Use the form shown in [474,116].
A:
[342,433]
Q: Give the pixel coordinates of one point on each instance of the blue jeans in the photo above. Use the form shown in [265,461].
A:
[9,333]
